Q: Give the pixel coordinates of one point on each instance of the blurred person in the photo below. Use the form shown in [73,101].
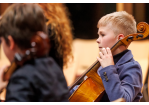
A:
[59,31]
[39,79]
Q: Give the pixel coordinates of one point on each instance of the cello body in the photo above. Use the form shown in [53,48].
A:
[92,88]
[91,94]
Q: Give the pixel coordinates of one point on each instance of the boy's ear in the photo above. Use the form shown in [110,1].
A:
[11,42]
[120,36]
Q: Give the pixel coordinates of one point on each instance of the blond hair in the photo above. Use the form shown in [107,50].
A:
[61,29]
[120,22]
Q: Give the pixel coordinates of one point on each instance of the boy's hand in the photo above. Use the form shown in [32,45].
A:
[106,58]
[3,84]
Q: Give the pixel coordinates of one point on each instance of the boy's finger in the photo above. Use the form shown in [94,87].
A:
[108,50]
[99,59]
[100,54]
[104,51]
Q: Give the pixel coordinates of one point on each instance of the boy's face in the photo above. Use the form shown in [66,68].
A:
[6,48]
[106,38]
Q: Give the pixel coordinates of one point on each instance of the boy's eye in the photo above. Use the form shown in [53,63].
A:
[102,35]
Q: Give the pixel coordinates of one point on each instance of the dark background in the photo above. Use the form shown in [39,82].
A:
[84,17]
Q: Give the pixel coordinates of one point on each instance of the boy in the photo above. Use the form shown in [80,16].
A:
[120,73]
[39,79]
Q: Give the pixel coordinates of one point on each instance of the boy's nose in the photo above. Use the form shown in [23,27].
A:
[98,40]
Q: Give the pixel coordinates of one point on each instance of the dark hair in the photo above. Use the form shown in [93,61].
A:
[22,21]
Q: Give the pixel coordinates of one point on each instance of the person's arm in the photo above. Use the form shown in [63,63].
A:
[20,88]
[3,84]
[126,83]
[121,81]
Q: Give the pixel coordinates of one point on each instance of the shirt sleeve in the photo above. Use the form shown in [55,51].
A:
[126,83]
[18,90]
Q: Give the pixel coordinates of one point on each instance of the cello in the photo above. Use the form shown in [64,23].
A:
[92,88]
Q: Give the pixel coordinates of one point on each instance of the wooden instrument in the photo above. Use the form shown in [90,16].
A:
[92,89]
[39,47]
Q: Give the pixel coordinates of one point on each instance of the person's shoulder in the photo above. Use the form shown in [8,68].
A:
[128,62]
[48,61]
[131,67]
[126,58]
[26,69]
